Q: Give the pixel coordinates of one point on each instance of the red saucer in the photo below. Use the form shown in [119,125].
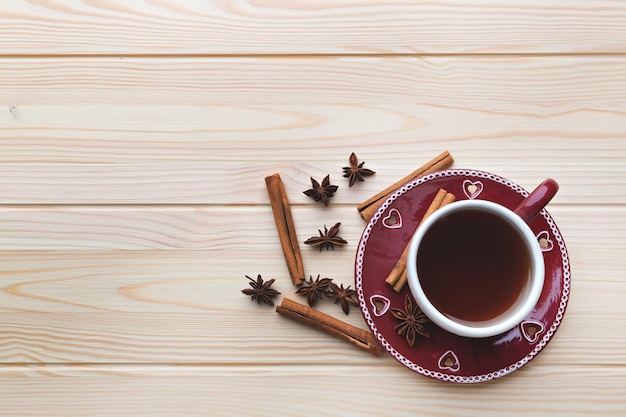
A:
[445,356]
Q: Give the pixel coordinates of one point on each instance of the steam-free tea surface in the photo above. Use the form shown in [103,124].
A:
[473,265]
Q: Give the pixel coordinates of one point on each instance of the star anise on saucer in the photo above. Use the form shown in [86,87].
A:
[261,291]
[314,290]
[412,321]
[356,171]
[321,192]
[328,239]
[346,296]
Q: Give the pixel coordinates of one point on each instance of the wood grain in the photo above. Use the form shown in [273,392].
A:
[119,134]
[123,278]
[245,228]
[524,86]
[263,391]
[237,183]
[311,27]
[134,139]
[103,130]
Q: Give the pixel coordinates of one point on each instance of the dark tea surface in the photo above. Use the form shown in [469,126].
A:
[472,265]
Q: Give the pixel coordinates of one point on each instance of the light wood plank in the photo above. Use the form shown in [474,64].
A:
[287,133]
[329,391]
[206,130]
[248,336]
[241,183]
[531,86]
[348,27]
[599,231]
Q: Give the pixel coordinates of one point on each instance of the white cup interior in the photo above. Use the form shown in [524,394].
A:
[525,302]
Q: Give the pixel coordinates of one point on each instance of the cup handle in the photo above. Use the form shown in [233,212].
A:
[537,200]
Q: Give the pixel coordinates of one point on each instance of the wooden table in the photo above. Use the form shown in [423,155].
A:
[134,139]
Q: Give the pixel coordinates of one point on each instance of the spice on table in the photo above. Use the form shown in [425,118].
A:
[398,278]
[285,227]
[321,192]
[261,291]
[314,290]
[369,207]
[356,171]
[328,239]
[345,296]
[412,321]
[329,324]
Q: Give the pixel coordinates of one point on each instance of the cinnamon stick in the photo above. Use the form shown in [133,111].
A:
[449,198]
[285,227]
[369,207]
[435,204]
[331,325]
[398,277]
[400,266]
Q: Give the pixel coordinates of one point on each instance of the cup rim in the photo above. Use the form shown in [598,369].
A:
[536,280]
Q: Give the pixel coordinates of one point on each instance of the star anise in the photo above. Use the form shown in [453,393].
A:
[261,291]
[411,321]
[328,239]
[346,296]
[356,171]
[321,192]
[314,290]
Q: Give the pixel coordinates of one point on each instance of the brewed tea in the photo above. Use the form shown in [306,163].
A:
[473,265]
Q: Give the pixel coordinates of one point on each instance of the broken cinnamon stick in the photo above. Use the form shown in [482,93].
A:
[331,325]
[398,277]
[285,227]
[369,207]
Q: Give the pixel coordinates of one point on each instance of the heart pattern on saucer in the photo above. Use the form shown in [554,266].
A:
[449,362]
[532,329]
[545,242]
[445,356]
[393,220]
[380,304]
[472,188]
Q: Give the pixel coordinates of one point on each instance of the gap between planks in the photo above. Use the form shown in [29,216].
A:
[172,366]
[323,55]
